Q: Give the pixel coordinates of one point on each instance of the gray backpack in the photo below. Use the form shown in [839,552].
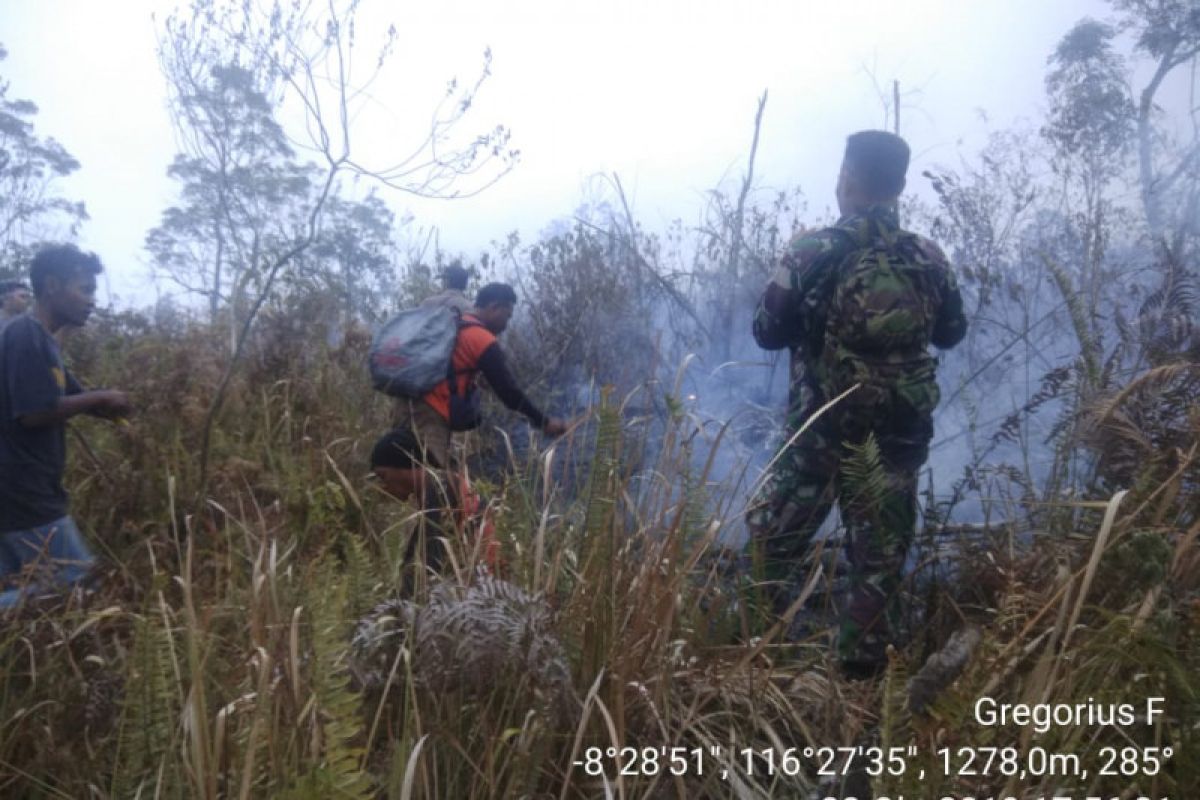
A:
[411,353]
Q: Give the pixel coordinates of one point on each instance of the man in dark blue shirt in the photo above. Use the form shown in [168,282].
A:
[37,397]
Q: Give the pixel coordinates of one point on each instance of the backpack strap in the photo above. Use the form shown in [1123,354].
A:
[817,286]
[451,373]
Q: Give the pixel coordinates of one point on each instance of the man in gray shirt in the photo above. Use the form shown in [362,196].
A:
[454,278]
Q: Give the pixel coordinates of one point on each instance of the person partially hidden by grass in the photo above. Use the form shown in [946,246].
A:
[858,304]
[37,397]
[454,406]
[454,278]
[396,464]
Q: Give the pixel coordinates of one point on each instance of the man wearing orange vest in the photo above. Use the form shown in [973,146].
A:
[448,408]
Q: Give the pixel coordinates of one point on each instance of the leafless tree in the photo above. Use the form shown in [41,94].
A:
[251,86]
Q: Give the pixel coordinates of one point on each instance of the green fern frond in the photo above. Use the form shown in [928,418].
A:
[362,577]
[694,499]
[599,566]
[602,492]
[338,712]
[895,726]
[894,717]
[147,730]
[865,478]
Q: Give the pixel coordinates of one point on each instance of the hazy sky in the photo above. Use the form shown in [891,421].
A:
[663,93]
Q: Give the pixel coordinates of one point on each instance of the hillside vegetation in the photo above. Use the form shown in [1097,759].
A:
[247,636]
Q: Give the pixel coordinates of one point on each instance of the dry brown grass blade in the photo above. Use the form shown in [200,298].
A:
[615,738]
[1041,680]
[579,731]
[539,538]
[350,492]
[1185,551]
[1152,377]
[410,769]
[1052,602]
[294,653]
[792,440]
[783,622]
[1186,461]
[264,666]
[1085,584]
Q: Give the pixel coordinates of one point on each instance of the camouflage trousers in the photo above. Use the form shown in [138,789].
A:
[821,467]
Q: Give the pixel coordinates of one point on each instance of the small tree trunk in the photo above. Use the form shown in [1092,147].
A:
[896,107]
[1146,175]
[733,271]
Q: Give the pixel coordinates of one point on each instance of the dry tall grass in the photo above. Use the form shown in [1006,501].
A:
[218,656]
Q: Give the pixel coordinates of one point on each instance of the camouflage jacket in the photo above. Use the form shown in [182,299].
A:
[793,310]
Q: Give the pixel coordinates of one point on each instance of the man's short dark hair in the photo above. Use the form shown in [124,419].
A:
[398,449]
[455,276]
[11,286]
[496,294]
[63,262]
[879,161]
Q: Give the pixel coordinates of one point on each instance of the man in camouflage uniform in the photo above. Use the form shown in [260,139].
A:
[855,303]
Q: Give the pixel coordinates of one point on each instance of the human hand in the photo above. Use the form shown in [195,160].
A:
[554,427]
[110,404]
